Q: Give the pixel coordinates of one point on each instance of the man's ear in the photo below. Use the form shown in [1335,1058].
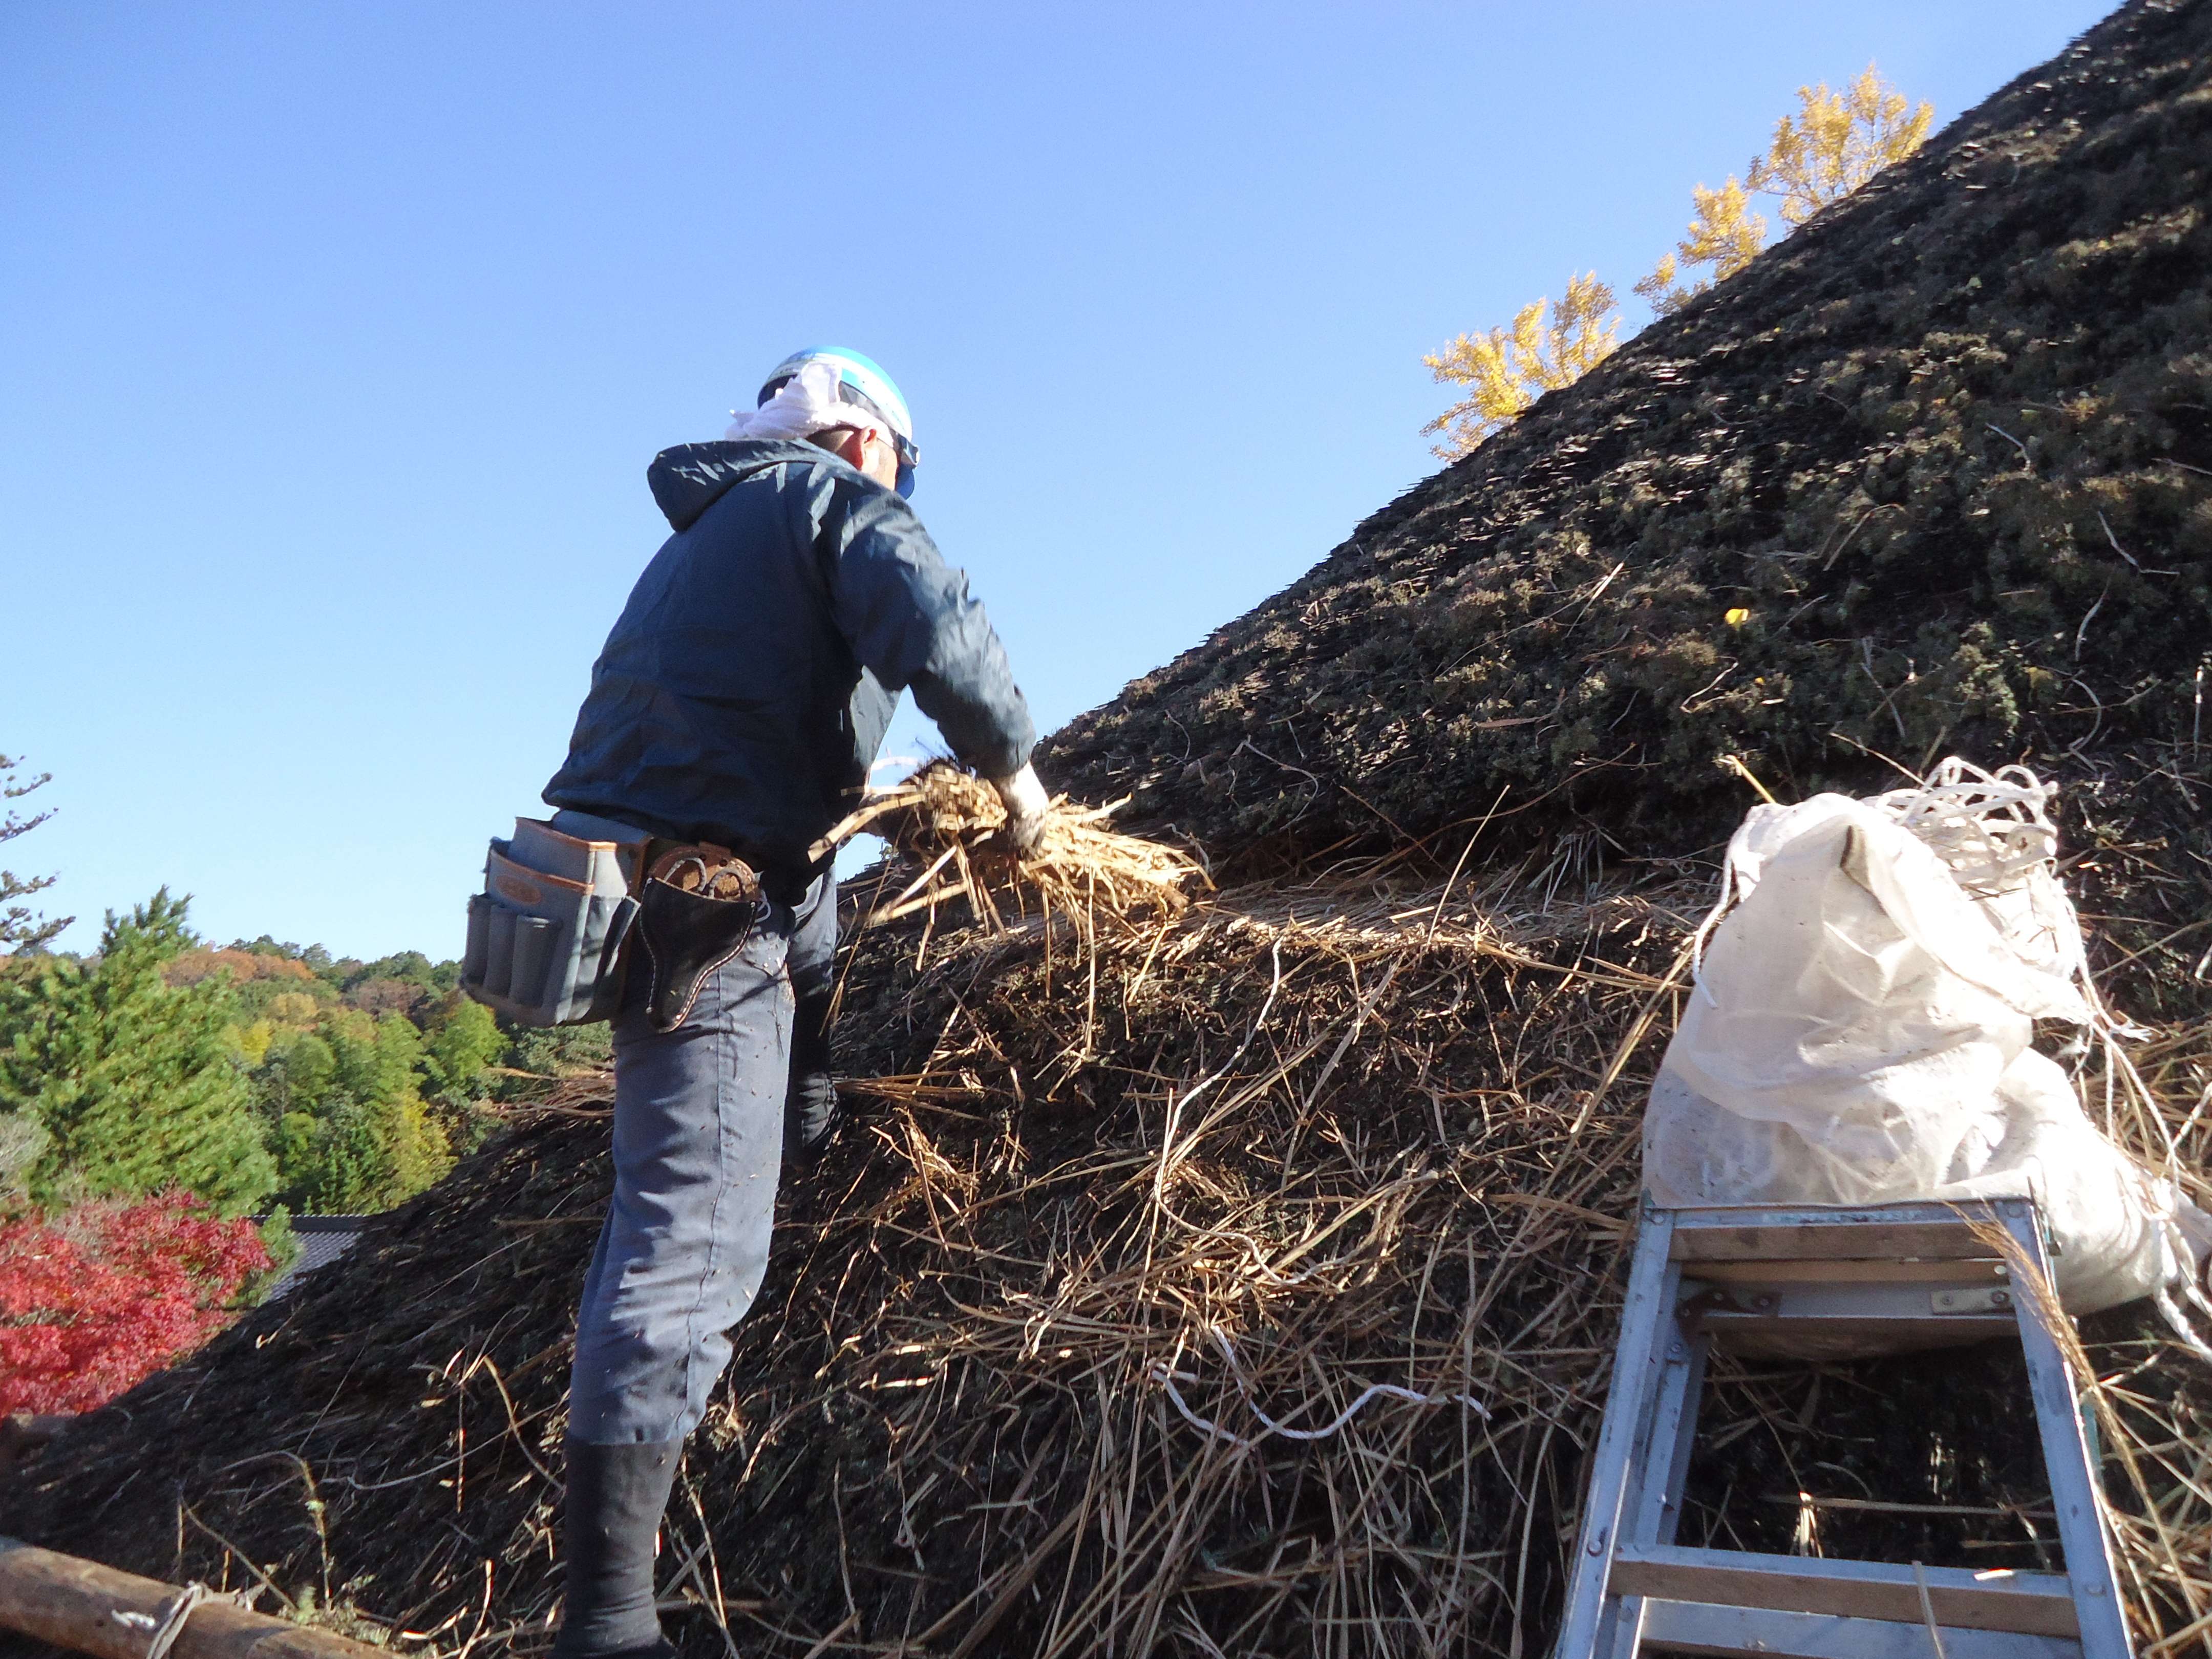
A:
[844,442]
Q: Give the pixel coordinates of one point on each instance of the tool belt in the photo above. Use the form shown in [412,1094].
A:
[547,937]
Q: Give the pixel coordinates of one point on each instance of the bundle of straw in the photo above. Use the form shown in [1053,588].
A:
[951,825]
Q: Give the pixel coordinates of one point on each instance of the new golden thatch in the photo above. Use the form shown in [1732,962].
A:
[952,823]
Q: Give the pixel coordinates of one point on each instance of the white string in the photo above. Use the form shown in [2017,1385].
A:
[1163,1371]
[1991,829]
[169,1625]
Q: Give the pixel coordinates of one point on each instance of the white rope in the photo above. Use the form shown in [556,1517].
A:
[1163,1371]
[165,1626]
[1992,829]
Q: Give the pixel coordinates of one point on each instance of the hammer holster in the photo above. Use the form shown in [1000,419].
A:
[689,930]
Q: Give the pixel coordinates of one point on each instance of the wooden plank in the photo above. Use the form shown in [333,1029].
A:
[1842,1318]
[1959,1272]
[90,1609]
[1862,1236]
[2030,1603]
[1703,1627]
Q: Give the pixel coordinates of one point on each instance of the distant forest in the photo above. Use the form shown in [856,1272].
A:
[168,1104]
[253,1074]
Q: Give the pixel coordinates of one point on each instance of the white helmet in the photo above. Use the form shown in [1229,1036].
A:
[862,382]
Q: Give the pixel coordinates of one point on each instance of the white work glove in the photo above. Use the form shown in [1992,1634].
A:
[1026,803]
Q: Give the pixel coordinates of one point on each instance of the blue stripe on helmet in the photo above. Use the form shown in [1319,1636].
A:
[858,371]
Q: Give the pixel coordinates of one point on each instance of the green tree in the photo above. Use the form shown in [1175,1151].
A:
[134,1083]
[410,968]
[23,1142]
[462,1041]
[416,1152]
[333,1161]
[296,1074]
[21,928]
[365,1139]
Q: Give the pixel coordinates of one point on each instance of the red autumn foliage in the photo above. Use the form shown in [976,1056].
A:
[191,967]
[104,1295]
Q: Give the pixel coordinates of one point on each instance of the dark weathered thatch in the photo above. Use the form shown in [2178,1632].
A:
[1352,1144]
[1939,444]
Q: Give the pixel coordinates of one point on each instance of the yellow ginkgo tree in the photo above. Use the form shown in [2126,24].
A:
[1506,369]
[1835,142]
[1724,236]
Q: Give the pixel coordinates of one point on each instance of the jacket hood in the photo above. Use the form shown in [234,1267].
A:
[690,478]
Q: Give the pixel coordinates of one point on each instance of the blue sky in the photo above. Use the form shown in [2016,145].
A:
[334,341]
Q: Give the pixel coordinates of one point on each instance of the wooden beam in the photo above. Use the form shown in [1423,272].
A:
[1779,1233]
[1835,1318]
[1852,1271]
[2030,1603]
[1701,1627]
[90,1609]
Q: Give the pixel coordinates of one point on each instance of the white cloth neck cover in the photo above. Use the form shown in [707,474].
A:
[803,405]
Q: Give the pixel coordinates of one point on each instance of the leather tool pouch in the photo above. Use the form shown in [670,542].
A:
[697,908]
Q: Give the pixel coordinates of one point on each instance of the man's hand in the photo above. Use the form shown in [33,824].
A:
[1025,802]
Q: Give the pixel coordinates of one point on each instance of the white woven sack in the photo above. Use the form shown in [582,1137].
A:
[1860,1026]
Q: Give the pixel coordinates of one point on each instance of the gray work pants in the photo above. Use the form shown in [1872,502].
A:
[698,1141]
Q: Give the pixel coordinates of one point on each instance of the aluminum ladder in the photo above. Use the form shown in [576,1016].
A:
[1839,1283]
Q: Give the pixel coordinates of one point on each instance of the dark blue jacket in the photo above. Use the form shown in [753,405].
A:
[743,693]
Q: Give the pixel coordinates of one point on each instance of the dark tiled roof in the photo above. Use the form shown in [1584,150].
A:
[323,1240]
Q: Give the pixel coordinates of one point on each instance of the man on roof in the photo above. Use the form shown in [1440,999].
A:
[733,718]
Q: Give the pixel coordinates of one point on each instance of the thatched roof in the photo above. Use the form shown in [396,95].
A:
[1935,442]
[1370,1118]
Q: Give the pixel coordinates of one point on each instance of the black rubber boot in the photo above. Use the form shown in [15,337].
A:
[616,1497]
[810,1113]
